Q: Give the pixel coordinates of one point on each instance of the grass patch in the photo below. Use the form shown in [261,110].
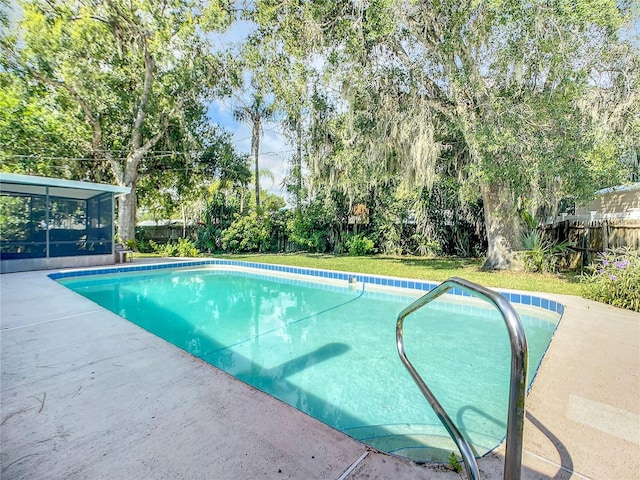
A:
[147,255]
[437,269]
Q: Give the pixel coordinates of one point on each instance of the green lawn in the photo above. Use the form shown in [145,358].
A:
[438,269]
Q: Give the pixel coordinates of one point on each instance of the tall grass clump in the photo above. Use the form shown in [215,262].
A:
[542,255]
[615,279]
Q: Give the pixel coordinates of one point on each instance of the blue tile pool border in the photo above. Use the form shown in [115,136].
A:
[519,298]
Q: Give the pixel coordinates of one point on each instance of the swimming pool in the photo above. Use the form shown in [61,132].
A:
[327,347]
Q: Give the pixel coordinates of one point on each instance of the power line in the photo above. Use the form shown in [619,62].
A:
[39,157]
[91,159]
[144,169]
[154,155]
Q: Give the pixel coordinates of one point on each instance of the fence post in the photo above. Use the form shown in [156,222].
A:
[585,244]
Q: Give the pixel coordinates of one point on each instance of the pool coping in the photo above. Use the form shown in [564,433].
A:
[581,369]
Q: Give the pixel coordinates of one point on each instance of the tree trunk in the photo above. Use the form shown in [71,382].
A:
[504,229]
[255,146]
[298,167]
[127,215]
[184,220]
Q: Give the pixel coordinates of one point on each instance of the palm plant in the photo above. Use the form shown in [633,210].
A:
[541,254]
[254,114]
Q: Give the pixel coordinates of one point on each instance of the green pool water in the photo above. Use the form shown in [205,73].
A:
[330,350]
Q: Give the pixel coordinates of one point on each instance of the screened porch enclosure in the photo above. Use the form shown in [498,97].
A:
[44,218]
[41,226]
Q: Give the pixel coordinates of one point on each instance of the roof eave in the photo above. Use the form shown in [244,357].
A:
[15,178]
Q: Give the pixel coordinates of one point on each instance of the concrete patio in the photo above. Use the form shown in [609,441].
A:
[86,394]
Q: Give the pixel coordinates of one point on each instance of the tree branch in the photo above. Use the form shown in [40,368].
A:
[96,139]
[437,99]
[135,157]
[141,114]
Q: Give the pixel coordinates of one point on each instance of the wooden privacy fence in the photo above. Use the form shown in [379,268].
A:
[167,233]
[594,236]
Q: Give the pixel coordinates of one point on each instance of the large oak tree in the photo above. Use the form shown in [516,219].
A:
[133,73]
[534,98]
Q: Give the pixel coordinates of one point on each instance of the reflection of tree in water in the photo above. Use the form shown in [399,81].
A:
[256,308]
[265,304]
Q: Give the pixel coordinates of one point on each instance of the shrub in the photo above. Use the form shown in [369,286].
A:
[209,238]
[184,248]
[250,233]
[308,232]
[614,278]
[358,245]
[425,246]
[145,247]
[540,254]
[166,250]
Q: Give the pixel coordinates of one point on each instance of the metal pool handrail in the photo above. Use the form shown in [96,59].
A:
[517,385]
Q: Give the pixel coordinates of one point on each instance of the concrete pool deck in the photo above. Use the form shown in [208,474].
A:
[86,394]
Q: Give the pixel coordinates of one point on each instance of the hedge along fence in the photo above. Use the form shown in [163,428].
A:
[592,237]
